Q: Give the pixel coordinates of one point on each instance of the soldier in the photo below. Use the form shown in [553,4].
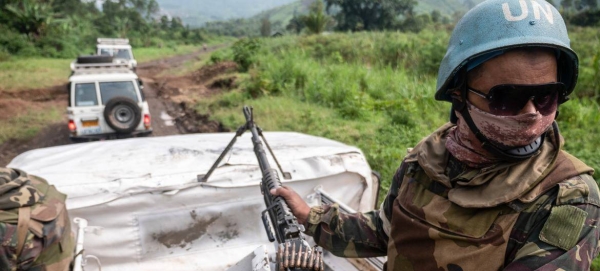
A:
[34,224]
[492,189]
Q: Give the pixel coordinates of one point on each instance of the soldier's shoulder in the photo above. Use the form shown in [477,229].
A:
[580,189]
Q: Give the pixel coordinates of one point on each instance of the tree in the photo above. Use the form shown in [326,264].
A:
[176,23]
[356,15]
[164,22]
[588,5]
[31,17]
[436,16]
[128,15]
[296,24]
[316,20]
[415,23]
[265,27]
[566,4]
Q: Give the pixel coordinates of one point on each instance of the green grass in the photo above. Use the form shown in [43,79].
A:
[578,120]
[30,73]
[27,124]
[329,92]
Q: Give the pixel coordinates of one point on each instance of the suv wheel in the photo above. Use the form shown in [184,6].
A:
[122,114]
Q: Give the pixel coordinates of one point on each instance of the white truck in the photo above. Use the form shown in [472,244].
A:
[139,203]
[117,48]
[106,100]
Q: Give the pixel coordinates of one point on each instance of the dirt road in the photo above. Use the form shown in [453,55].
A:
[168,98]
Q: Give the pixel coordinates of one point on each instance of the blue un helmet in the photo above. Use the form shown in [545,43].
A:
[498,25]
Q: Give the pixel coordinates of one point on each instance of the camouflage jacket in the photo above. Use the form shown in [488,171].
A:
[34,225]
[539,214]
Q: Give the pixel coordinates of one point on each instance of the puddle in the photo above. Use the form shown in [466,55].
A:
[169,121]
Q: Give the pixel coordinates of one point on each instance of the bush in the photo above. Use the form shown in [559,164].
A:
[58,47]
[244,52]
[4,55]
[15,43]
[220,56]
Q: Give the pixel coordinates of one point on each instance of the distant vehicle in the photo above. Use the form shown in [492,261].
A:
[106,100]
[117,48]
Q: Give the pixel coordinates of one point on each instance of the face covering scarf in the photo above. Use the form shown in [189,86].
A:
[506,132]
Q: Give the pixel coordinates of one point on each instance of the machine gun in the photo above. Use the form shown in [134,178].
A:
[293,251]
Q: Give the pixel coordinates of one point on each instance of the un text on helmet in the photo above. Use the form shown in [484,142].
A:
[537,8]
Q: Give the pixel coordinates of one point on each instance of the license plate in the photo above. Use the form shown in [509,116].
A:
[91,130]
[89,123]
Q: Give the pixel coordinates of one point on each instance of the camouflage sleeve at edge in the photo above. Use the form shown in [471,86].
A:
[8,247]
[539,253]
[347,235]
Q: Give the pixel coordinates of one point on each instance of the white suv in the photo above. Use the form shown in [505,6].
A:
[117,48]
[106,100]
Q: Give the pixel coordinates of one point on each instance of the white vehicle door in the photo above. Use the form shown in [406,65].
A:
[85,109]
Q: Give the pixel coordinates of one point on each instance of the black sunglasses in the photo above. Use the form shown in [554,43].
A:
[509,99]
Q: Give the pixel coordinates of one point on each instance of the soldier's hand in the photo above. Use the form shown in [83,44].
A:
[299,207]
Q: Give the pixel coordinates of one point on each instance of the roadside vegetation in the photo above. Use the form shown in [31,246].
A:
[29,122]
[374,90]
[68,28]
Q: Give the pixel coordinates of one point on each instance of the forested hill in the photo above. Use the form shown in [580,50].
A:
[283,14]
[198,12]
[446,7]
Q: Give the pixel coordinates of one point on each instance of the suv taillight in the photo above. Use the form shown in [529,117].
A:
[72,126]
[147,121]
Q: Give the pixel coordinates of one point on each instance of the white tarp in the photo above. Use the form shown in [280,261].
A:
[154,213]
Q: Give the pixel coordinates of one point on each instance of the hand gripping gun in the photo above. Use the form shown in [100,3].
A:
[293,252]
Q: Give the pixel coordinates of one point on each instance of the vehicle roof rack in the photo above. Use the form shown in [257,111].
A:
[116,66]
[110,41]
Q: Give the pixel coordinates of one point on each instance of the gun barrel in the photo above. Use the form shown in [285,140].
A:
[286,224]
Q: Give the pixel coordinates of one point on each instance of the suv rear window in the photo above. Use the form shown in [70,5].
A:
[109,90]
[85,94]
[117,53]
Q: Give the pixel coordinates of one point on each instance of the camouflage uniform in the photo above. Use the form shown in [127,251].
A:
[539,214]
[34,225]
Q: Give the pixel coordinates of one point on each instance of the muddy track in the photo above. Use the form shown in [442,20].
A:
[170,98]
